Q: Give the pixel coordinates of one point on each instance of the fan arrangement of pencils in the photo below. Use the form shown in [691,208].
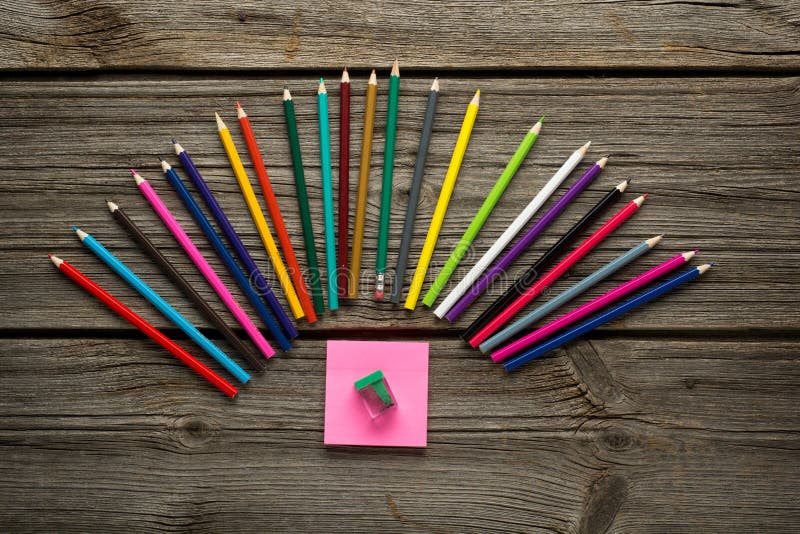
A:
[497,332]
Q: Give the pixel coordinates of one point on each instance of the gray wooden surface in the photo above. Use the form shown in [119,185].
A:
[679,417]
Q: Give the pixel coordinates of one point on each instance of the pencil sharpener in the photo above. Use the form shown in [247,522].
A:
[375,393]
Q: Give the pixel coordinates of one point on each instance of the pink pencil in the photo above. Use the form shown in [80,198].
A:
[200,261]
[590,307]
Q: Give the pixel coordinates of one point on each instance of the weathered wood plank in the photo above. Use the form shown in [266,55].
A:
[717,155]
[152,34]
[641,435]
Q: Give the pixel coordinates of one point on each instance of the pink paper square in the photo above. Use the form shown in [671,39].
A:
[405,366]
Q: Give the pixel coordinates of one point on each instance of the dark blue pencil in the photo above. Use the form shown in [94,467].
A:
[605,317]
[225,255]
[236,241]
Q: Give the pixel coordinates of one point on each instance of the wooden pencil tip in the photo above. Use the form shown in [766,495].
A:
[345,76]
[653,241]
[81,234]
[640,200]
[536,128]
[602,162]
[112,207]
[286,94]
[136,177]
[164,165]
[396,68]
[585,147]
[240,114]
[373,78]
[321,89]
[435,85]
[689,255]
[703,268]
[177,147]
[476,100]
[623,185]
[220,124]
[55,259]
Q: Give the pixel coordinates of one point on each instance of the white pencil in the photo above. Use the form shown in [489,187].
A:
[513,229]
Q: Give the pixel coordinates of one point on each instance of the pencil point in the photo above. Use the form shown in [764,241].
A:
[240,114]
[133,172]
[74,228]
[160,158]
[653,241]
[55,259]
[476,100]
[164,165]
[602,162]
[373,78]
[136,177]
[174,141]
[112,207]
[220,124]
[177,147]
[286,94]
[536,128]
[585,147]
[396,68]
[81,234]
[321,89]
[435,85]
[238,105]
[689,255]
[640,200]
[623,185]
[345,76]
[706,266]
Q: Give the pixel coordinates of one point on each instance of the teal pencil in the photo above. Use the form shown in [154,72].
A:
[327,196]
[386,186]
[163,306]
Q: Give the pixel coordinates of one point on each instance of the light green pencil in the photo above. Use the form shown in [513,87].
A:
[483,213]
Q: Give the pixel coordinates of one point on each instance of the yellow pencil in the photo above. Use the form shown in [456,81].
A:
[258,218]
[441,204]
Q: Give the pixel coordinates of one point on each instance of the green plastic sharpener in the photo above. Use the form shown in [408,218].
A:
[376,395]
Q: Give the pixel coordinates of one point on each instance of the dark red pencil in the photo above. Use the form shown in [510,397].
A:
[344,181]
[149,330]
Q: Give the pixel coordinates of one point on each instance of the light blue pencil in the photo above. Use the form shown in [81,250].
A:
[604,272]
[163,306]
[327,196]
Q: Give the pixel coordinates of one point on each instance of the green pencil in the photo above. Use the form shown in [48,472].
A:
[483,213]
[302,202]
[386,187]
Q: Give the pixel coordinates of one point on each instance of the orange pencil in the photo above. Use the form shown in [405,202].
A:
[275,214]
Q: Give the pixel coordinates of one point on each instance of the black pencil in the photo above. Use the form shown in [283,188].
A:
[529,277]
[255,360]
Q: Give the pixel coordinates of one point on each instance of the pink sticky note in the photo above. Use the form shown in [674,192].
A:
[405,366]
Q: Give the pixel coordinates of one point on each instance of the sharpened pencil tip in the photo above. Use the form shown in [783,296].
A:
[653,241]
[55,259]
[136,177]
[536,128]
[396,68]
[81,234]
[160,158]
[689,255]
[345,76]
[321,90]
[476,100]
[220,124]
[541,119]
[286,94]
[112,207]
[706,266]
[133,172]
[373,78]
[640,200]
[164,165]
[177,147]
[623,186]
[174,141]
[74,228]
[435,85]
[602,163]
[585,147]
[238,105]
[240,114]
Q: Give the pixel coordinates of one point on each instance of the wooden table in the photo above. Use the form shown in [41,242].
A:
[679,417]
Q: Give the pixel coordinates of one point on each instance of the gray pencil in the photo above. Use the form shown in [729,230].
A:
[413,196]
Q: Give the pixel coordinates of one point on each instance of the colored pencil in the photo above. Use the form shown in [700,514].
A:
[553,274]
[344,182]
[565,296]
[302,203]
[146,328]
[606,317]
[327,197]
[363,187]
[413,195]
[483,213]
[274,209]
[258,218]
[522,245]
[591,307]
[161,305]
[511,231]
[202,264]
[166,266]
[224,223]
[386,185]
[222,251]
[550,255]
[444,199]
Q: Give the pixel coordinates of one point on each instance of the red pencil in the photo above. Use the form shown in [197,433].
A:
[149,330]
[344,181]
[275,215]
[551,276]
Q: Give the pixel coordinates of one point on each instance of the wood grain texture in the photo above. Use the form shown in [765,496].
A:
[717,155]
[153,34]
[101,434]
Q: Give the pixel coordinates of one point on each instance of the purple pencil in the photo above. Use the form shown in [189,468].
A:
[527,240]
